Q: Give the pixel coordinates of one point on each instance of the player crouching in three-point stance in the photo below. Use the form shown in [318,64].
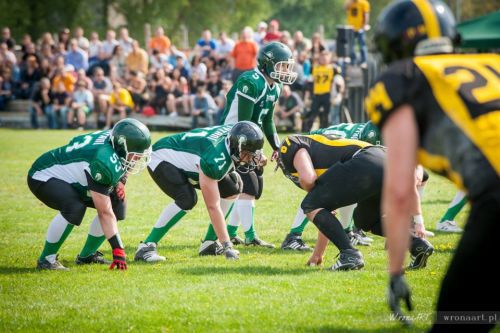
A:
[443,109]
[204,158]
[90,171]
[337,173]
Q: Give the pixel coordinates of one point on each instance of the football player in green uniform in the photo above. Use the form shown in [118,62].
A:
[90,171]
[337,173]
[442,110]
[205,159]
[252,98]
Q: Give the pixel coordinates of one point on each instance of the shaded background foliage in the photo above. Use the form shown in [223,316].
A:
[187,18]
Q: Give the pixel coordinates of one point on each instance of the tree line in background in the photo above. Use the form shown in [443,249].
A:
[187,18]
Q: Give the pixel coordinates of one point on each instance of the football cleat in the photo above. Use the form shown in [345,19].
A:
[357,239]
[420,250]
[294,242]
[44,264]
[147,252]
[350,259]
[258,242]
[210,248]
[363,235]
[96,258]
[448,226]
[236,240]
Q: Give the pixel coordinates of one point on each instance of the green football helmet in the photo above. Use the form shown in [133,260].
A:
[131,141]
[247,137]
[276,61]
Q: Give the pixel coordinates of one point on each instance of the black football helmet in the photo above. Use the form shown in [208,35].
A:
[406,28]
[246,136]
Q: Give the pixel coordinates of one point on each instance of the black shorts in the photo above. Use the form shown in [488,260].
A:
[253,182]
[174,183]
[61,196]
[358,180]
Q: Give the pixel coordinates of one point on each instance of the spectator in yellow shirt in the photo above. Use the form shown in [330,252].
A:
[137,59]
[119,101]
[358,15]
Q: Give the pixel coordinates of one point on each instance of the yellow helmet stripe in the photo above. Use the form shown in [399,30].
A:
[430,19]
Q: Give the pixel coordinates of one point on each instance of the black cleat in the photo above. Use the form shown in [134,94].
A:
[420,251]
[96,258]
[258,242]
[349,259]
[236,240]
[210,248]
[44,264]
[294,242]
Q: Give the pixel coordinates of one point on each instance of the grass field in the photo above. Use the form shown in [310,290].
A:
[265,291]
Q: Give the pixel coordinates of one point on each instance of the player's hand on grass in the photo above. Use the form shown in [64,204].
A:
[315,260]
[119,260]
[399,291]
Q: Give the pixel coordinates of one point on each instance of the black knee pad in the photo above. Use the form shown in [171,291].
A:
[230,185]
[187,200]
[260,182]
[251,183]
[73,212]
[119,207]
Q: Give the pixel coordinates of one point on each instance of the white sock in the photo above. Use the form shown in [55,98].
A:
[225,205]
[95,228]
[345,215]
[56,229]
[168,213]
[234,218]
[299,218]
[245,212]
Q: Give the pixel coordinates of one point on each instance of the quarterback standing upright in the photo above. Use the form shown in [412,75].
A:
[444,110]
[253,98]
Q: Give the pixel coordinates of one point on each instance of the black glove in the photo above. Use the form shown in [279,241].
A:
[398,290]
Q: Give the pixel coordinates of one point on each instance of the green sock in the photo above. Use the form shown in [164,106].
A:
[210,235]
[453,211]
[91,245]
[53,248]
[157,233]
[300,229]
[232,230]
[349,228]
[250,233]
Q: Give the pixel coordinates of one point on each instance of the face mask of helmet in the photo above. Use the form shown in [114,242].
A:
[283,72]
[133,162]
[247,166]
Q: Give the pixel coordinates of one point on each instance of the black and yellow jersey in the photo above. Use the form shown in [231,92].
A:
[456,101]
[324,151]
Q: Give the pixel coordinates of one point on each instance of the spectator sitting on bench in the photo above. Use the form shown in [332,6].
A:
[289,108]
[30,75]
[81,105]
[41,104]
[120,101]
[203,105]
[101,89]
[6,87]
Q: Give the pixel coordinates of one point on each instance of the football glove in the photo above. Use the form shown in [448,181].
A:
[119,259]
[398,290]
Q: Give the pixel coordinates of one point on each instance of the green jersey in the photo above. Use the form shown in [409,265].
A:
[202,148]
[358,131]
[254,89]
[88,155]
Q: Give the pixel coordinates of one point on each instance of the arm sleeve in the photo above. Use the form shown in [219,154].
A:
[248,95]
[245,109]
[270,130]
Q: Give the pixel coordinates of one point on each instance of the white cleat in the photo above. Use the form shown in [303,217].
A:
[147,252]
[448,226]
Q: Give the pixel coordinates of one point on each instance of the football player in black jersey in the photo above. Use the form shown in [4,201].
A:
[340,172]
[442,110]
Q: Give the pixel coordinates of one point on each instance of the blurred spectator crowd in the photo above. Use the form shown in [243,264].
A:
[79,80]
